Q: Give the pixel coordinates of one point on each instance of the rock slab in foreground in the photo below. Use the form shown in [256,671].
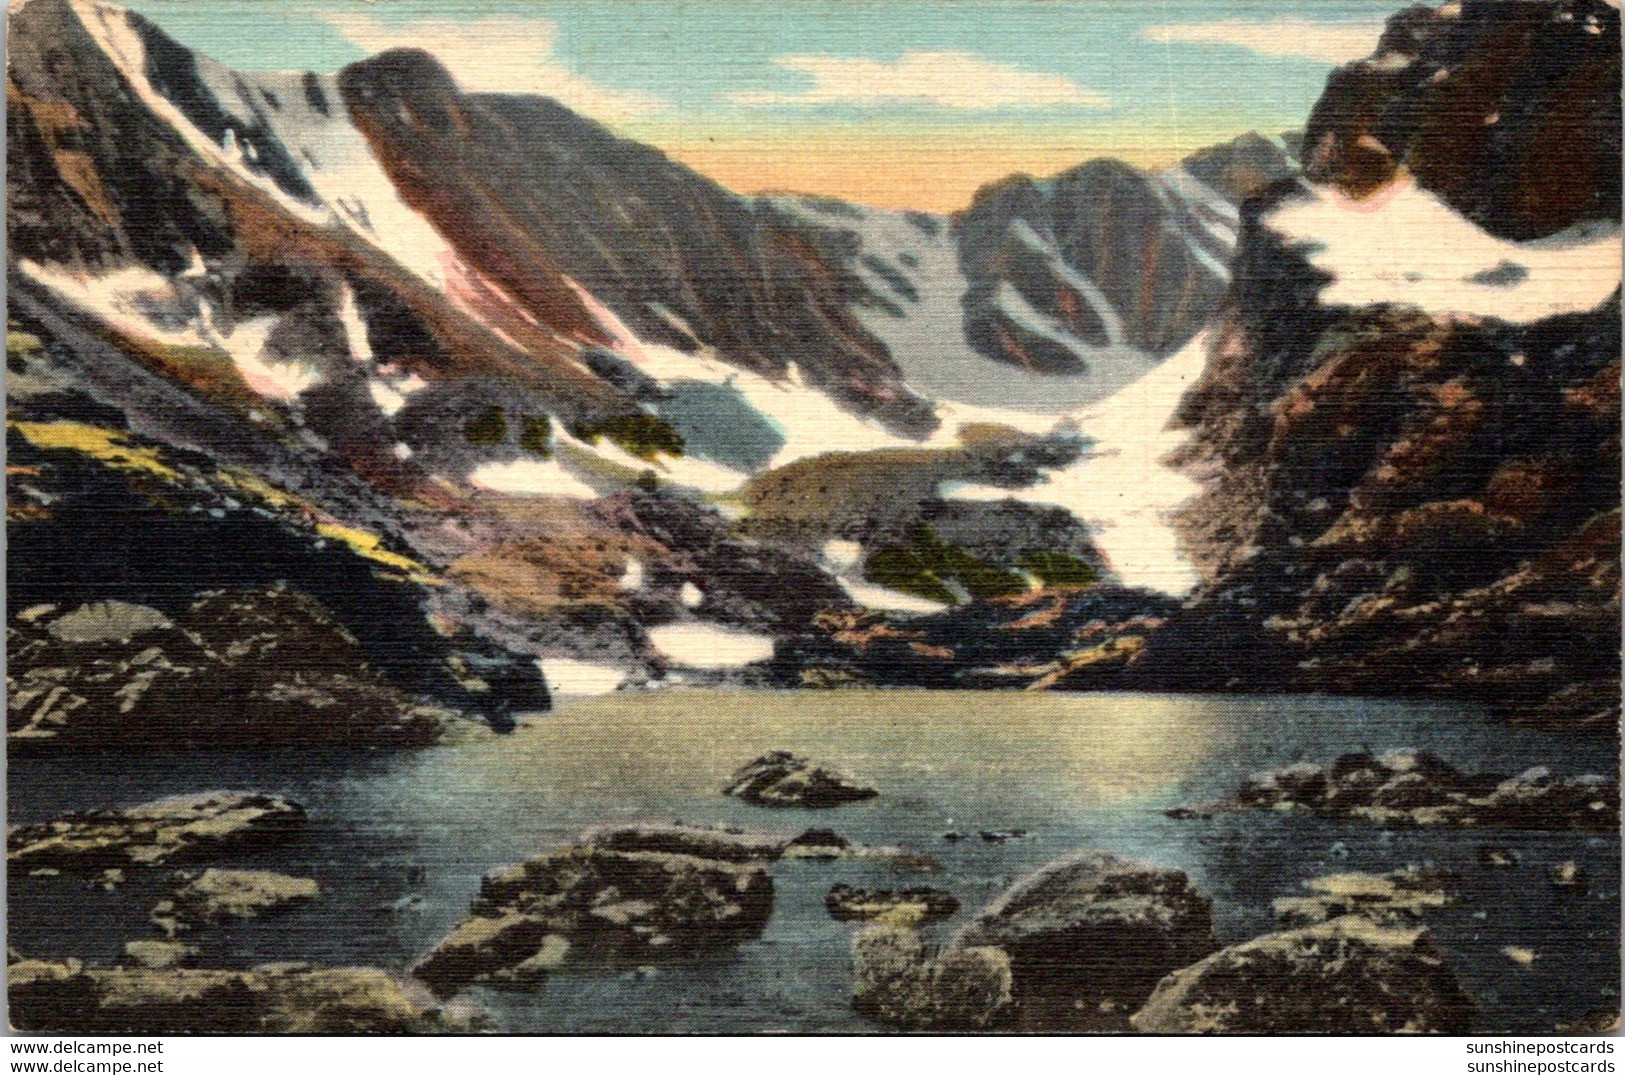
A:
[902,983]
[69,998]
[1346,976]
[165,831]
[602,903]
[1090,936]
[780,778]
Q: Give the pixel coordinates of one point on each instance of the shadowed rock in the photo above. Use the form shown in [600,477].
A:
[1347,976]
[69,998]
[607,903]
[1090,935]
[166,831]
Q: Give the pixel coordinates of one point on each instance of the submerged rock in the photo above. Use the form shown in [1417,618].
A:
[181,829]
[220,895]
[610,904]
[69,998]
[1346,976]
[901,982]
[1391,898]
[780,778]
[909,905]
[1090,935]
[725,843]
[1410,787]
[158,955]
[1569,874]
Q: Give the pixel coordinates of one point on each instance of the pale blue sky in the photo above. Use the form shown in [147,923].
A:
[925,98]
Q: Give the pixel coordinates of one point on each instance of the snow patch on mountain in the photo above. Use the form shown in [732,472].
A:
[530,477]
[1404,245]
[710,646]
[583,679]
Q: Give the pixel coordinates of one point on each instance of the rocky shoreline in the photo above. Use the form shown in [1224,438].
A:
[1096,941]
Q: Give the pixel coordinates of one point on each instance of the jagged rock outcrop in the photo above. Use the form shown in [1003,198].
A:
[217,895]
[1402,467]
[235,669]
[1512,114]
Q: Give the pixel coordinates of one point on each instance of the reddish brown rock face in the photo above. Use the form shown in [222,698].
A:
[1509,111]
[1413,502]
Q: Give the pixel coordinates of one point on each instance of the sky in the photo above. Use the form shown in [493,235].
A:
[891,103]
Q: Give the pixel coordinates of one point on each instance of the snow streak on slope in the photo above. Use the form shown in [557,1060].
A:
[1121,488]
[1404,245]
[911,260]
[312,126]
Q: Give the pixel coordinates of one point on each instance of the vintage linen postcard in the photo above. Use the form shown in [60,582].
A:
[823,517]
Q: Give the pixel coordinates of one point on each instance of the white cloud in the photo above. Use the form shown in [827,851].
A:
[500,55]
[958,80]
[1333,42]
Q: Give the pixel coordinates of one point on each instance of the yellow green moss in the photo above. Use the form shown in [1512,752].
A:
[106,445]
[370,546]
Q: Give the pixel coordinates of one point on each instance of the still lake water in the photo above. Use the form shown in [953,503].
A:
[399,842]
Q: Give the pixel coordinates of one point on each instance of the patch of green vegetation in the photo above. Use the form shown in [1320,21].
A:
[1059,570]
[20,347]
[642,435]
[536,434]
[487,430]
[924,566]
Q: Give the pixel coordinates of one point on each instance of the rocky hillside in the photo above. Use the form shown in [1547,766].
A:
[1084,280]
[1411,459]
[578,402]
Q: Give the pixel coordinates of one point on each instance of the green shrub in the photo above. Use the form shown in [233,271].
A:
[926,563]
[642,435]
[536,434]
[1060,570]
[487,430]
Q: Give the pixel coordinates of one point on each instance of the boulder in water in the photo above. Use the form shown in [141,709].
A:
[780,778]
[1091,934]
[609,904]
[902,983]
[1347,976]
[1399,897]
